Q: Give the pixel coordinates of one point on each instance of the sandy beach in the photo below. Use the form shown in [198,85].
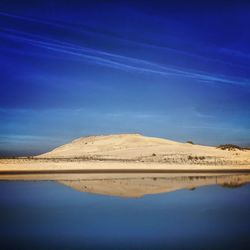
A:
[57,165]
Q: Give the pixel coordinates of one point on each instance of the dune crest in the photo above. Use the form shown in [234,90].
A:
[108,145]
[136,147]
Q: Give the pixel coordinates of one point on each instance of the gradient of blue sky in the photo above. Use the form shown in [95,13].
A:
[95,67]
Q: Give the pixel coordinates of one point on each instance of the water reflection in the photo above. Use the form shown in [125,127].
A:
[136,185]
[50,215]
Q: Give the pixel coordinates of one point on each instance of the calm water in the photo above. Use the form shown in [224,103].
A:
[49,215]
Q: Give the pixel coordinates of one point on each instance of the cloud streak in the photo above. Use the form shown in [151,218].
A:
[115,61]
[108,59]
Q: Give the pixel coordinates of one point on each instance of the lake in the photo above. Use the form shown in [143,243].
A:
[59,215]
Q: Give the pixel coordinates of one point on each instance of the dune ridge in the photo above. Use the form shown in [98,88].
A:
[107,145]
[136,147]
[132,152]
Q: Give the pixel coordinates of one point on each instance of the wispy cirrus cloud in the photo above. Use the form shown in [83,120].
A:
[116,61]
[60,48]
[84,29]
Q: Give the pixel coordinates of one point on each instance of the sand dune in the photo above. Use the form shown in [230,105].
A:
[132,151]
[135,147]
[117,146]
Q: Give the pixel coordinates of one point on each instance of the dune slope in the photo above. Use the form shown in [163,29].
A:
[136,147]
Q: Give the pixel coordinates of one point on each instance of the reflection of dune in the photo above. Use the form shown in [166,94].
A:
[232,184]
[138,187]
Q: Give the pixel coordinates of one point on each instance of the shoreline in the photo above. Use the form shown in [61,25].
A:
[21,166]
[125,171]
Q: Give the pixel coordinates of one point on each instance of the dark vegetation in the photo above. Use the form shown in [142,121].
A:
[230,147]
[9,157]
[196,158]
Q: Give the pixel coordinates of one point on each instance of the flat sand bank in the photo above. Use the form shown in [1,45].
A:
[29,166]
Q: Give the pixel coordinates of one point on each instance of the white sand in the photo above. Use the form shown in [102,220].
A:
[132,151]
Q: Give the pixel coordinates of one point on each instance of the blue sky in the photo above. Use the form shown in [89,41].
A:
[98,67]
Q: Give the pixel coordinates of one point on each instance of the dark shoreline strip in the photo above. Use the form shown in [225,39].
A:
[121,171]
